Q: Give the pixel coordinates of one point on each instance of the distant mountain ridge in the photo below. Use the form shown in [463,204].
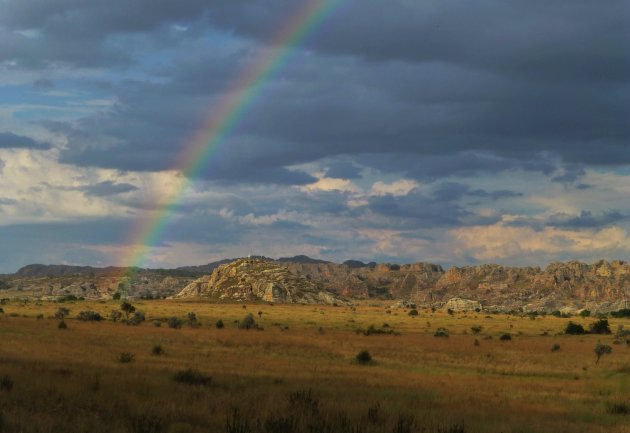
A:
[601,285]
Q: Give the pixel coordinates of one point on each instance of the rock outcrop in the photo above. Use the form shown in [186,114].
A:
[259,280]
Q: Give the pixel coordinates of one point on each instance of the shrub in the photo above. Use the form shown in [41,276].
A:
[371,330]
[192,377]
[450,311]
[157,350]
[574,329]
[601,350]
[127,308]
[62,325]
[126,357]
[174,322]
[40,316]
[157,323]
[136,319]
[1,310]
[89,316]
[219,324]
[555,347]
[585,313]
[441,332]
[192,320]
[116,296]
[115,315]
[413,312]
[624,312]
[61,313]
[505,337]
[476,329]
[618,408]
[248,322]
[146,422]
[363,357]
[6,384]
[600,327]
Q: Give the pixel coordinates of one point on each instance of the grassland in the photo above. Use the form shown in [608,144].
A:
[299,372]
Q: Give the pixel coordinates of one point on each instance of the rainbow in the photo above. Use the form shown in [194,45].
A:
[221,121]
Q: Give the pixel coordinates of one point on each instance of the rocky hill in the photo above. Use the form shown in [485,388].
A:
[259,280]
[601,286]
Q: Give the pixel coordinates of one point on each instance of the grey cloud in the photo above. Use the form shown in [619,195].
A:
[9,140]
[108,188]
[44,84]
[586,219]
[343,170]
[449,191]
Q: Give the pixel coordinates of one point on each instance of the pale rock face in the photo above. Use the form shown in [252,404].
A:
[460,304]
[259,280]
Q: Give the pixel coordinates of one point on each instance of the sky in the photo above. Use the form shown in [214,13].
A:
[441,131]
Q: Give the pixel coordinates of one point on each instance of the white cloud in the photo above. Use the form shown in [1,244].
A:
[399,187]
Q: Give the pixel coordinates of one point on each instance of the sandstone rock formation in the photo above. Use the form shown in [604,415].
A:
[259,280]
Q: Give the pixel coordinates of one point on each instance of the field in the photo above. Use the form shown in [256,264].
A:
[299,373]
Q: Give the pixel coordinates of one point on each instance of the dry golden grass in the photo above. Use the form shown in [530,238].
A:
[71,380]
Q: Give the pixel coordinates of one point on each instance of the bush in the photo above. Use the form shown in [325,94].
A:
[157,323]
[600,327]
[476,329]
[174,322]
[192,377]
[624,312]
[192,320]
[248,322]
[618,408]
[413,312]
[371,330]
[555,347]
[585,313]
[219,324]
[505,337]
[136,319]
[157,350]
[89,316]
[363,357]
[601,350]
[115,315]
[61,313]
[6,384]
[441,332]
[62,325]
[126,357]
[574,329]
[116,296]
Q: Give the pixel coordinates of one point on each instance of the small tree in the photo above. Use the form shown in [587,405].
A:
[127,308]
[574,329]
[600,327]
[248,322]
[192,320]
[601,350]
[62,313]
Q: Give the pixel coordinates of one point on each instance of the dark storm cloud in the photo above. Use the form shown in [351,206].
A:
[418,209]
[587,219]
[9,140]
[426,89]
[584,220]
[450,191]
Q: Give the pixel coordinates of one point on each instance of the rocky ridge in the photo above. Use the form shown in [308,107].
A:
[602,286]
[259,280]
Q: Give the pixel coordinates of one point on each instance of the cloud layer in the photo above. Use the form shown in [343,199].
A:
[398,130]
